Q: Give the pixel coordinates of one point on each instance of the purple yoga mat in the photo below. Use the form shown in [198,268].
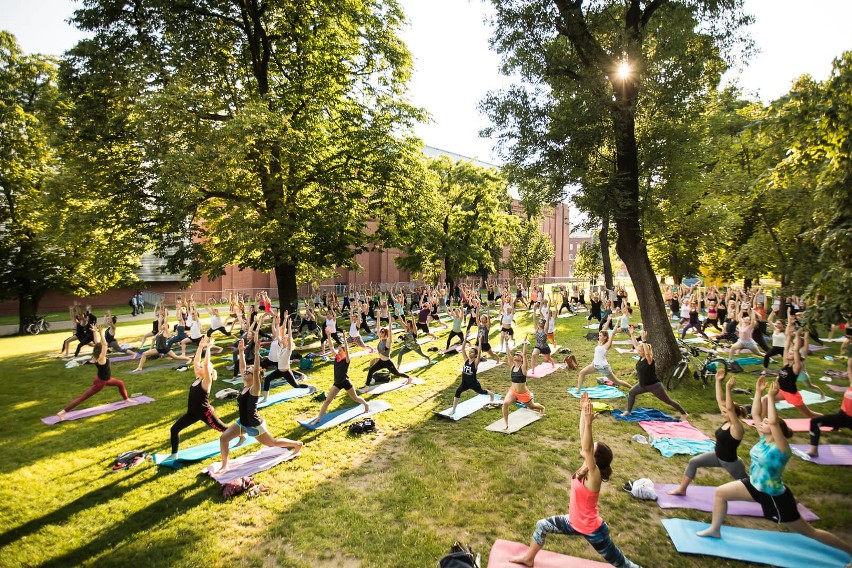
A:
[812,348]
[700,498]
[837,388]
[829,454]
[250,464]
[95,410]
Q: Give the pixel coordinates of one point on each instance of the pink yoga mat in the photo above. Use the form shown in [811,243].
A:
[95,410]
[796,424]
[544,369]
[837,388]
[250,464]
[673,430]
[829,454]
[503,550]
[700,498]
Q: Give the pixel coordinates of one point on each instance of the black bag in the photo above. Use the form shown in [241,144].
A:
[128,460]
[362,426]
[734,367]
[461,556]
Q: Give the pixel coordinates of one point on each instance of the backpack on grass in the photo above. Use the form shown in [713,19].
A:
[128,460]
[460,556]
[362,426]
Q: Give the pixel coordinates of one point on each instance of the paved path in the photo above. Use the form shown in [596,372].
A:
[68,325]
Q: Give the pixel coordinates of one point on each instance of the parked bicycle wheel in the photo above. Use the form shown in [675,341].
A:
[677,375]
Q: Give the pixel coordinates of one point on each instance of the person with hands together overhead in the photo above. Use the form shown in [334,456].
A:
[583,518]
[518,390]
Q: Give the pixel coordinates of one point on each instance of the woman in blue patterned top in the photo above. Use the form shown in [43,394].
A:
[764,485]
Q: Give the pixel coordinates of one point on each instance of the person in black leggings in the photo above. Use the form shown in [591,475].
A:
[384,362]
[199,408]
[341,379]
[468,376]
[646,372]
[842,419]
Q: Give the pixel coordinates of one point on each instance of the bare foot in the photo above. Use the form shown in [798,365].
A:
[813,452]
[297,447]
[677,491]
[136,370]
[684,416]
[521,560]
[710,533]
[315,421]
[221,470]
[61,415]
[241,441]
[541,412]
[506,427]
[367,407]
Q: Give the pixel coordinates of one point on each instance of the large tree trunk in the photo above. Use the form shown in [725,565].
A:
[288,292]
[631,244]
[27,309]
[603,237]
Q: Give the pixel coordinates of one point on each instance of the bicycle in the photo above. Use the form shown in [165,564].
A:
[37,324]
[703,369]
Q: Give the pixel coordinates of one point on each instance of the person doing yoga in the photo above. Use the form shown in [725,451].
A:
[282,345]
[383,361]
[841,419]
[468,376]
[791,373]
[160,349]
[199,408]
[728,438]
[103,378]
[764,485]
[600,363]
[341,380]
[250,421]
[518,390]
[646,372]
[583,518]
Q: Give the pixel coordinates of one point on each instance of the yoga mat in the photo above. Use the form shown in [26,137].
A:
[502,347]
[250,464]
[795,424]
[783,549]
[362,353]
[837,388]
[669,447]
[812,348]
[517,420]
[313,345]
[640,414]
[162,366]
[425,340]
[591,326]
[198,453]
[829,454]
[622,342]
[391,386]
[544,369]
[700,498]
[566,315]
[749,360]
[469,406]
[286,395]
[101,409]
[503,550]
[683,430]
[453,349]
[486,365]
[600,391]
[694,340]
[414,365]
[625,351]
[809,398]
[345,415]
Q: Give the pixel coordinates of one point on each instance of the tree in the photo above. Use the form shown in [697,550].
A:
[269,132]
[464,217]
[51,237]
[530,252]
[600,77]
[588,262]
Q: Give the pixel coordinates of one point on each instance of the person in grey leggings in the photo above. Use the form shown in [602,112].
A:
[727,439]
[646,372]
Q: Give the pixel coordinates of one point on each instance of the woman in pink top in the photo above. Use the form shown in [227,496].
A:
[583,516]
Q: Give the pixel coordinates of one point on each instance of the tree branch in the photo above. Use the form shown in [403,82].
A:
[649,11]
[210,13]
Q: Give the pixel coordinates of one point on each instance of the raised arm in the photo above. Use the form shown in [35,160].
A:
[98,333]
[733,419]
[775,424]
[524,364]
[721,401]
[757,410]
[587,443]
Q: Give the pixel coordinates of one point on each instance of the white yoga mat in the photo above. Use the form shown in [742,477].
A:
[391,386]
[414,365]
[250,464]
[809,398]
[486,365]
[517,420]
[469,406]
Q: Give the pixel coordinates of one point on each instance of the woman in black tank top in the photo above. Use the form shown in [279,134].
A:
[518,390]
[341,378]
[103,377]
[198,405]
[250,421]
[727,439]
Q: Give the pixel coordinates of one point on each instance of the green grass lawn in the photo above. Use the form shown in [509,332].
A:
[395,498]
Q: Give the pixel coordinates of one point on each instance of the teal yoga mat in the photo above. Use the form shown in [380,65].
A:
[776,548]
[197,453]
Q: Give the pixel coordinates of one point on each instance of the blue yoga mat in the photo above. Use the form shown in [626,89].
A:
[673,446]
[787,550]
[198,453]
[345,415]
[600,391]
[642,414]
[749,360]
[283,396]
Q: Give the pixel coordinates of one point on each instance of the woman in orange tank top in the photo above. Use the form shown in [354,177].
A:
[583,516]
